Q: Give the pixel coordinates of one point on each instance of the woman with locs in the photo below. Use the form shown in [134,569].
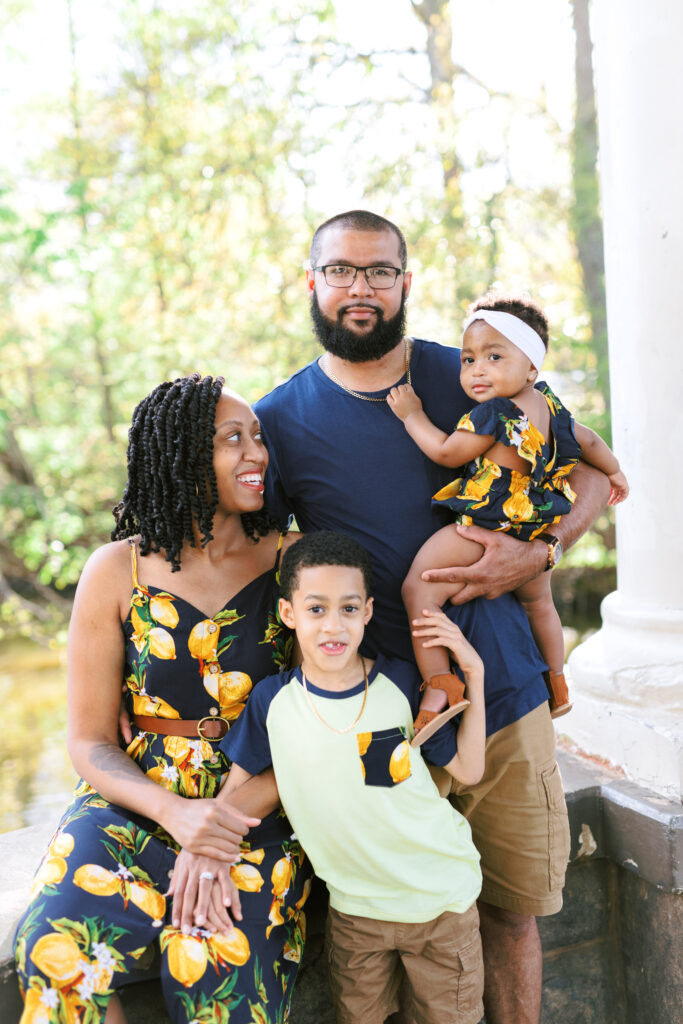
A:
[181,608]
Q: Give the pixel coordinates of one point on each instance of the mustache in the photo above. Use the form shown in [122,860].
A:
[358,305]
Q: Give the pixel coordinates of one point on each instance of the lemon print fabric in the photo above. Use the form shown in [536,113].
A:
[384,757]
[499,498]
[98,905]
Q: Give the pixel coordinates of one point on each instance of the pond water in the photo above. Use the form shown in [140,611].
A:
[36,776]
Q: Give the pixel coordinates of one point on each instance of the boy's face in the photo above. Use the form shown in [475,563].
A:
[329,610]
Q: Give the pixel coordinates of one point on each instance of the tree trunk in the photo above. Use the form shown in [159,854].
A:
[586,218]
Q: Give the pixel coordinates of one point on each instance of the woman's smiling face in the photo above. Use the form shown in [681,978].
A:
[240,458]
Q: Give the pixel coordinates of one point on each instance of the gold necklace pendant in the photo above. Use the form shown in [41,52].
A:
[358,394]
[320,718]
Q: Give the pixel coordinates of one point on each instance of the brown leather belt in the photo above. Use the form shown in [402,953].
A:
[212,727]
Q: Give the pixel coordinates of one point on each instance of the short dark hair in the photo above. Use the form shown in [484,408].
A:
[359,220]
[171,482]
[322,548]
[519,304]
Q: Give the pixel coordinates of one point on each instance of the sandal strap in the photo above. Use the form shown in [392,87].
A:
[451,683]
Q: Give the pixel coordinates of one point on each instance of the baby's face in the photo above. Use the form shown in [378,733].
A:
[491,366]
[329,610]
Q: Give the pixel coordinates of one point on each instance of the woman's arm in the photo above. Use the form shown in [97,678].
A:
[445,449]
[94,672]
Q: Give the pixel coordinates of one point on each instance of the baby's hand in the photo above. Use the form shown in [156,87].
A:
[402,400]
[620,488]
[441,632]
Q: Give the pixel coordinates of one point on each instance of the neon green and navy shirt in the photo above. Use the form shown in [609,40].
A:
[363,803]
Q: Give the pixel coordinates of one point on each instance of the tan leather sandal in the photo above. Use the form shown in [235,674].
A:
[558,694]
[427,722]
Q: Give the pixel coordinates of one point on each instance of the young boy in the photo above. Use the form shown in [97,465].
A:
[398,860]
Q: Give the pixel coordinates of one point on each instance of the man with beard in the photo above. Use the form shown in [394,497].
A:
[340,460]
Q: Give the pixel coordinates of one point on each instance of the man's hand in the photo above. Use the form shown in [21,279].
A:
[199,900]
[402,400]
[506,564]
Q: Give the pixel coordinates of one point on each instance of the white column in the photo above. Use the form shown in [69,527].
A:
[628,679]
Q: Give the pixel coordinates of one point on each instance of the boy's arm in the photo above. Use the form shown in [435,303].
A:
[445,449]
[238,777]
[598,454]
[437,630]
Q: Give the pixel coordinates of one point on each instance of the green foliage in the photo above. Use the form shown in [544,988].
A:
[162,227]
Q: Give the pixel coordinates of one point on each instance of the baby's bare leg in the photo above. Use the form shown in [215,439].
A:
[537,599]
[444,549]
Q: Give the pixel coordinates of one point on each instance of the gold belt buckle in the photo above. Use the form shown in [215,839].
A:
[213,718]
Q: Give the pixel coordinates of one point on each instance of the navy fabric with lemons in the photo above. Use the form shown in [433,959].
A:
[499,498]
[98,903]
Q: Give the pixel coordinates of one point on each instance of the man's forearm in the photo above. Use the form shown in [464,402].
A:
[592,491]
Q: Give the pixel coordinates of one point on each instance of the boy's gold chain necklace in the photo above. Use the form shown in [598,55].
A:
[358,394]
[320,717]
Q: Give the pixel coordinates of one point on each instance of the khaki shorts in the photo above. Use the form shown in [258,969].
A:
[442,960]
[519,818]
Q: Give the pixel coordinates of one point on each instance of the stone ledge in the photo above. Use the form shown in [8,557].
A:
[635,828]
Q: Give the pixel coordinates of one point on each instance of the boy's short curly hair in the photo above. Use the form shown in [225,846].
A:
[519,304]
[323,548]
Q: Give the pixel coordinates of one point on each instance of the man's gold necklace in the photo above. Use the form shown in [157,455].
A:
[358,394]
[320,717]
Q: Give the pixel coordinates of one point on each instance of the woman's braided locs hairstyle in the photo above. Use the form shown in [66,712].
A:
[171,480]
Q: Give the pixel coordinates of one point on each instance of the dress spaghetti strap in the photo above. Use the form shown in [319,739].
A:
[278,553]
[134,563]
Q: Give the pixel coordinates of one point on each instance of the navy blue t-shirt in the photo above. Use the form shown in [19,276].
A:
[338,462]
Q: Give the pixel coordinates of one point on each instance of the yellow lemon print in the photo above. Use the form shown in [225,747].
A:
[162,610]
[399,764]
[187,958]
[148,900]
[161,644]
[305,894]
[51,872]
[139,625]
[35,1010]
[233,687]
[364,740]
[144,704]
[62,844]
[203,640]
[281,877]
[58,957]
[254,856]
[246,877]
[97,880]
[233,947]
[518,508]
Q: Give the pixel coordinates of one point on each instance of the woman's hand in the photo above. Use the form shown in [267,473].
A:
[202,890]
[618,488]
[209,828]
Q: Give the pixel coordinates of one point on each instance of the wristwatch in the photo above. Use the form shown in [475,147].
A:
[555,549]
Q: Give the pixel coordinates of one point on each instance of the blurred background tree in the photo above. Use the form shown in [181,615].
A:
[159,220]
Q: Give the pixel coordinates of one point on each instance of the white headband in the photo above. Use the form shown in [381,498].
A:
[515,330]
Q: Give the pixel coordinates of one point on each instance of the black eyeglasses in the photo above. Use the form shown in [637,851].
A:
[340,275]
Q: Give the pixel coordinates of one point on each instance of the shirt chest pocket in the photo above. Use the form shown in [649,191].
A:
[384,757]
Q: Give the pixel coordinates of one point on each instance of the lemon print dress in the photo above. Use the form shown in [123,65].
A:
[97,905]
[499,498]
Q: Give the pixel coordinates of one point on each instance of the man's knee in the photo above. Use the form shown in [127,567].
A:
[508,922]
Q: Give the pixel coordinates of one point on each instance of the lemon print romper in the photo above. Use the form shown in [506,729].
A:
[97,904]
[498,498]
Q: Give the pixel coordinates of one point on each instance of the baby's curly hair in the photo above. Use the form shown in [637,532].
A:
[323,548]
[171,482]
[519,304]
